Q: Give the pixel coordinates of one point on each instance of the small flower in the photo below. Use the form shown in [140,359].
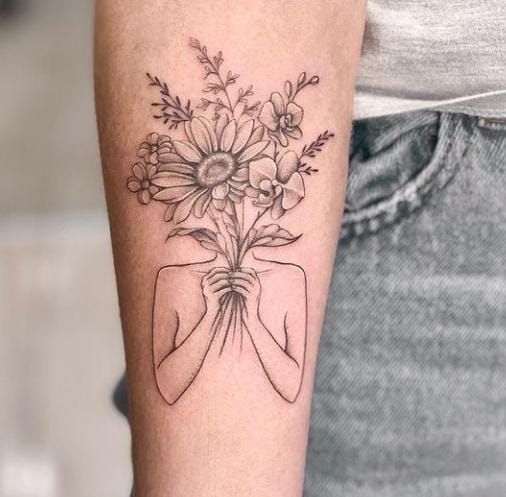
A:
[140,182]
[155,148]
[278,186]
[210,166]
[282,120]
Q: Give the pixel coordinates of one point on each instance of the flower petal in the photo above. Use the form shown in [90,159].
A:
[139,171]
[220,125]
[188,131]
[176,194]
[237,185]
[144,197]
[268,117]
[264,200]
[220,192]
[287,165]
[296,112]
[201,204]
[187,151]
[151,170]
[168,156]
[177,167]
[278,103]
[239,110]
[280,136]
[212,133]
[252,151]
[295,133]
[153,138]
[228,136]
[261,169]
[257,135]
[169,212]
[293,192]
[153,158]
[243,136]
[240,175]
[171,180]
[277,209]
[144,150]
[201,135]
[235,196]
[219,204]
[184,209]
[133,184]
[252,192]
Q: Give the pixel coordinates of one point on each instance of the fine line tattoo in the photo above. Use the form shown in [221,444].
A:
[225,169]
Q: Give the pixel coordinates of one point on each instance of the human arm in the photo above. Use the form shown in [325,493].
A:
[178,362]
[283,363]
[219,442]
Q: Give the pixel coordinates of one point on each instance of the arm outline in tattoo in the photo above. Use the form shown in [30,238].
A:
[227,164]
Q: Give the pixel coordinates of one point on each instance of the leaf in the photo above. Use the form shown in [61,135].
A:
[206,238]
[273,235]
[169,212]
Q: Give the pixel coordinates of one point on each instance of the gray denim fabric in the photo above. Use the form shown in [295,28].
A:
[410,396]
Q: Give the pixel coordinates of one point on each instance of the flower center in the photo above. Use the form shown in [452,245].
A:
[285,121]
[145,184]
[215,169]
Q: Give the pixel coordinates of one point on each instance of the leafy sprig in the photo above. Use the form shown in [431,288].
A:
[212,68]
[171,107]
[291,90]
[311,150]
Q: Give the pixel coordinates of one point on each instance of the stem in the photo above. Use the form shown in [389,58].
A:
[244,249]
[220,79]
[230,261]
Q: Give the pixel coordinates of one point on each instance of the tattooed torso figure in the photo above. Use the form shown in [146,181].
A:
[227,176]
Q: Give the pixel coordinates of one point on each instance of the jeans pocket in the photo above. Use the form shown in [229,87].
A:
[395,163]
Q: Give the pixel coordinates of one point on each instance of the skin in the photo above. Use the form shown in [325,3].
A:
[231,434]
[182,337]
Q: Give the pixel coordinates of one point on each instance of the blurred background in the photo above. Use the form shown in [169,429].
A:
[60,339]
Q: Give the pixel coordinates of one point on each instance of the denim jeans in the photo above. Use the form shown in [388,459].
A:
[410,395]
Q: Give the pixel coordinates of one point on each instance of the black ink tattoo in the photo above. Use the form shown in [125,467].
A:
[219,179]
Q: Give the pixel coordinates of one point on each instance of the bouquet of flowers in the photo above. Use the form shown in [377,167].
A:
[226,156]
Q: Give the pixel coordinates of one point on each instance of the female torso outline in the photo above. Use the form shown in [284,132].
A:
[202,311]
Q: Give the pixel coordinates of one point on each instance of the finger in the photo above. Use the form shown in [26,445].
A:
[241,291]
[223,291]
[215,271]
[248,270]
[220,285]
[242,277]
[243,285]
[218,277]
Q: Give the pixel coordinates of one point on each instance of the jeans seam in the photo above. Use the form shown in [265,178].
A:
[411,195]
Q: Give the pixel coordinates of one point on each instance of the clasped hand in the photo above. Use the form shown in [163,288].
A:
[221,281]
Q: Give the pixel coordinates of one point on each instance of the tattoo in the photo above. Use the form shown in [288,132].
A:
[228,166]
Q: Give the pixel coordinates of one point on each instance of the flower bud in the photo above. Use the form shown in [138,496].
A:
[288,89]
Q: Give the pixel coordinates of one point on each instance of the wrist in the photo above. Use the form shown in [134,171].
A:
[252,315]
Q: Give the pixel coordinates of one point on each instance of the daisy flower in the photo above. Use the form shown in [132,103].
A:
[210,166]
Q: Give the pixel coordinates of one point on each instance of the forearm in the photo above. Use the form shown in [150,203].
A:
[230,434]
[284,371]
[171,380]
